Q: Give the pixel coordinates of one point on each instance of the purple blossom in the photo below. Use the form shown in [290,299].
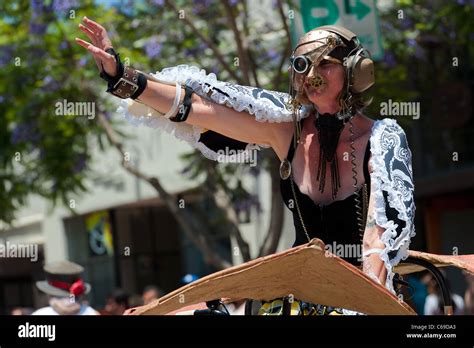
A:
[80,164]
[420,53]
[36,5]
[50,84]
[190,52]
[37,28]
[82,61]
[411,42]
[200,6]
[60,6]
[272,54]
[24,132]
[387,26]
[389,59]
[6,56]
[39,7]
[36,52]
[233,2]
[407,23]
[63,45]
[2,98]
[194,51]
[153,47]
[203,3]
[159,2]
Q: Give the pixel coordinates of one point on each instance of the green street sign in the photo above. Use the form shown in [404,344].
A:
[359,16]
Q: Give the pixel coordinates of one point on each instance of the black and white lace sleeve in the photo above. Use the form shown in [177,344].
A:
[392,178]
[264,105]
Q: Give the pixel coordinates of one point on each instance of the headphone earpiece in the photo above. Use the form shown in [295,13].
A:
[360,69]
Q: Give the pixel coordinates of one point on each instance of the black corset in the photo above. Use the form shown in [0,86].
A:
[335,224]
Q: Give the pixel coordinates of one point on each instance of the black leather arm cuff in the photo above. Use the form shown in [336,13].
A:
[128,83]
[185,107]
[112,80]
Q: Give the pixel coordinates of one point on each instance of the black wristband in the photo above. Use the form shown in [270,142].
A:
[112,80]
[142,82]
[185,106]
[130,85]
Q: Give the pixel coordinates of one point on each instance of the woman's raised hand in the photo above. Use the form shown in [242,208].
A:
[100,42]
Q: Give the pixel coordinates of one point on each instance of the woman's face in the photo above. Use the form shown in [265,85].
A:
[332,74]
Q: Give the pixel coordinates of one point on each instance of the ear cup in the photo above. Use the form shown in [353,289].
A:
[361,72]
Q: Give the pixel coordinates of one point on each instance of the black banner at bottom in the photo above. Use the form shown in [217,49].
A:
[136,331]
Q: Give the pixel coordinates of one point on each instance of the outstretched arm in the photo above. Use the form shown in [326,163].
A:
[160,96]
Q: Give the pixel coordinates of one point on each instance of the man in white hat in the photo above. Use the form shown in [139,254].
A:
[65,288]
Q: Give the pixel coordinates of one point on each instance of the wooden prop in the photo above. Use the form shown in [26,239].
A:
[307,272]
[463,262]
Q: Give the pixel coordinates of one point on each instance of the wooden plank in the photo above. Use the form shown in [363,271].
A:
[307,272]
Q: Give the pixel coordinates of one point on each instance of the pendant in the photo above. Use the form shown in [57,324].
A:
[285,169]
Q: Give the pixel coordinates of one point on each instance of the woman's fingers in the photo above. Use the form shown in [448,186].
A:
[96,51]
[86,45]
[100,41]
[103,59]
[83,43]
[89,33]
[99,32]
[95,27]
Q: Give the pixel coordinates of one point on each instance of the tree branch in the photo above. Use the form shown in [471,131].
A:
[182,216]
[208,42]
[253,68]
[272,238]
[242,52]
[278,75]
[223,201]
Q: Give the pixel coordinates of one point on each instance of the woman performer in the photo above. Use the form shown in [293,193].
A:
[346,178]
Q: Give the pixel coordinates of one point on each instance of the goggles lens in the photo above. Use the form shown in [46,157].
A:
[300,64]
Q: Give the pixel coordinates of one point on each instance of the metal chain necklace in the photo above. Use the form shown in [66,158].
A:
[297,206]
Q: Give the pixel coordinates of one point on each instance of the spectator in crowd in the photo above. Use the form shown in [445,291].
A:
[434,304]
[22,311]
[117,302]
[66,289]
[469,294]
[151,293]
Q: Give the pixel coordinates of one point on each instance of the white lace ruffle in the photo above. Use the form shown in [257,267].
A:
[392,174]
[266,106]
[140,114]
